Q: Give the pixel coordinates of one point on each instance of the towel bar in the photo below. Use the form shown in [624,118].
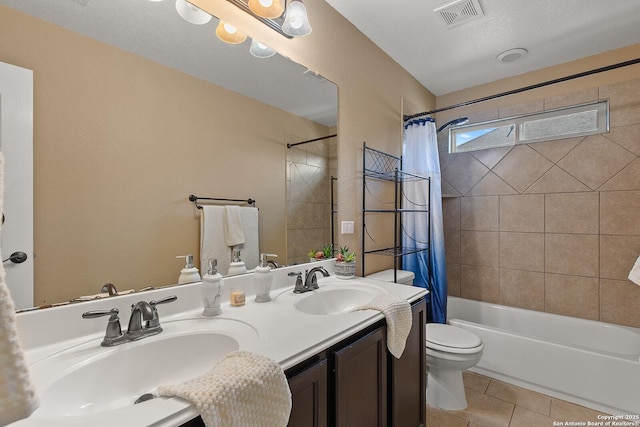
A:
[195,199]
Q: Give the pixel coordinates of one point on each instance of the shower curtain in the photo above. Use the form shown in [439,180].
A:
[420,157]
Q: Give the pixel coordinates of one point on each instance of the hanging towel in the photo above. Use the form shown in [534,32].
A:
[212,240]
[17,395]
[251,246]
[234,230]
[399,320]
[634,274]
[243,390]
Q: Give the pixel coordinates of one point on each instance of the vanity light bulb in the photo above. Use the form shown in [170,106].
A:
[296,22]
[191,13]
[230,28]
[261,50]
[264,3]
[229,33]
[269,9]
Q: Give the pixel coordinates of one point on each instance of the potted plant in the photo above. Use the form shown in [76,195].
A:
[345,263]
[325,253]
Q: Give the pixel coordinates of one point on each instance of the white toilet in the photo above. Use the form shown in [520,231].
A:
[450,350]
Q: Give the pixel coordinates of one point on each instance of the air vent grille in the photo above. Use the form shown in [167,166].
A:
[459,12]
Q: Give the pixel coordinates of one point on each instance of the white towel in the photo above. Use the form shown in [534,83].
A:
[634,274]
[251,246]
[244,390]
[17,395]
[234,231]
[399,320]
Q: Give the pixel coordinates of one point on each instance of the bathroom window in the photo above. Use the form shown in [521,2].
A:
[566,122]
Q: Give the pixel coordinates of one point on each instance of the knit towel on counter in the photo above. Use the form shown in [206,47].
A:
[243,390]
[634,274]
[399,320]
[17,395]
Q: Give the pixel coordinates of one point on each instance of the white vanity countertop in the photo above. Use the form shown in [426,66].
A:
[274,329]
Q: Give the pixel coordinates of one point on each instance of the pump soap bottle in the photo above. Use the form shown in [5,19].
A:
[237,265]
[189,274]
[212,284]
[262,279]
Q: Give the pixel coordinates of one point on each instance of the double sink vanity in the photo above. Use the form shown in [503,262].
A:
[339,369]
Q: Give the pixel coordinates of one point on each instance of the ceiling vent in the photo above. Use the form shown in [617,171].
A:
[82,2]
[459,12]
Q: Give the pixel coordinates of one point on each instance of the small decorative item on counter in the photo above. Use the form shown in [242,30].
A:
[236,298]
[326,252]
[345,263]
[211,290]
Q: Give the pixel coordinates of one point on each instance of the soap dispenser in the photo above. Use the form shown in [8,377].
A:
[237,265]
[262,279]
[212,284]
[189,274]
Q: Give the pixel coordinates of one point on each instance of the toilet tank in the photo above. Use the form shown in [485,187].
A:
[405,277]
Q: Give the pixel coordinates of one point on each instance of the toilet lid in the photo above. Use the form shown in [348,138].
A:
[451,336]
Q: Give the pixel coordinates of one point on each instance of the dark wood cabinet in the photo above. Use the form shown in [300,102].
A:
[360,375]
[309,396]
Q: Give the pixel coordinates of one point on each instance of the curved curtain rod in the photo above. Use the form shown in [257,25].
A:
[312,140]
[525,88]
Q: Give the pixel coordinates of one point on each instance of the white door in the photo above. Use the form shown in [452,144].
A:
[16,144]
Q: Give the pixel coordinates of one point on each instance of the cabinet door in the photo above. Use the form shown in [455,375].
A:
[407,376]
[309,397]
[361,382]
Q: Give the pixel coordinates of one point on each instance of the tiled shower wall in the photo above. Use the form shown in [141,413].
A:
[551,226]
[309,170]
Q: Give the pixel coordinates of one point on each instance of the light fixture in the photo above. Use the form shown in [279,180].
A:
[266,8]
[191,13]
[296,22]
[511,55]
[261,50]
[229,34]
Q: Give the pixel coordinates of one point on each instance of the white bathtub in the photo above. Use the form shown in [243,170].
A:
[590,363]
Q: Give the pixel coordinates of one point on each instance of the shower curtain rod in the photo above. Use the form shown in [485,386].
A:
[525,88]
[312,140]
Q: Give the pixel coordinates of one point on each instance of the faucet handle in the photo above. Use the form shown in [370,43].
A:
[155,321]
[113,325]
[299,288]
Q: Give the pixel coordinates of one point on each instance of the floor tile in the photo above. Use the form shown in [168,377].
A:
[486,410]
[528,399]
[523,417]
[567,411]
[440,418]
[475,381]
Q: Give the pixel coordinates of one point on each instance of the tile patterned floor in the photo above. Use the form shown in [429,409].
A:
[494,403]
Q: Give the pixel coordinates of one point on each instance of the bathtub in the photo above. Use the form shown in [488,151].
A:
[594,364]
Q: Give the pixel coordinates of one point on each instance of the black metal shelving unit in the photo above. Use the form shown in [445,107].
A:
[381,166]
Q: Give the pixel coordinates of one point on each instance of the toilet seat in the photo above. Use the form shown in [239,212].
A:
[451,339]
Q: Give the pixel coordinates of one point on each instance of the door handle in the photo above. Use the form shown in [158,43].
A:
[16,258]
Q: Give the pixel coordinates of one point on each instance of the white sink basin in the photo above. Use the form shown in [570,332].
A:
[336,300]
[106,379]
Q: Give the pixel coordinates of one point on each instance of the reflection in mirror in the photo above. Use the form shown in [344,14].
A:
[141,211]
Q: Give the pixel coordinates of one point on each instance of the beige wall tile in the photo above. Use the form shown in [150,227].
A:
[627,179]
[451,213]
[524,289]
[491,185]
[491,156]
[453,279]
[623,102]
[619,302]
[627,137]
[575,254]
[480,283]
[464,172]
[571,296]
[479,213]
[522,167]
[522,251]
[452,246]
[619,212]
[573,98]
[535,106]
[617,255]
[572,213]
[556,180]
[557,149]
[479,248]
[523,213]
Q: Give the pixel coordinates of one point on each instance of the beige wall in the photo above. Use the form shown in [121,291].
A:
[550,226]
[120,142]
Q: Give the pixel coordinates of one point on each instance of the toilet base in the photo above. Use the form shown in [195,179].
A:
[445,389]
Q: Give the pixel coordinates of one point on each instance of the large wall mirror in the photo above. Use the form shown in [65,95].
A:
[118,205]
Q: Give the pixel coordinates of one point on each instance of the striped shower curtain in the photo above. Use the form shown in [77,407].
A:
[420,157]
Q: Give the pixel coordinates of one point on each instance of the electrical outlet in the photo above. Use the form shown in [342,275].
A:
[347,227]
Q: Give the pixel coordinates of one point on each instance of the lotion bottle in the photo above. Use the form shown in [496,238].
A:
[211,290]
[262,279]
[237,265]
[189,274]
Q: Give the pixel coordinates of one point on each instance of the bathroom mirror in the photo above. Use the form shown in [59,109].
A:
[138,201]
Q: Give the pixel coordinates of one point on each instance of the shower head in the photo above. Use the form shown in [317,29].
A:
[454,122]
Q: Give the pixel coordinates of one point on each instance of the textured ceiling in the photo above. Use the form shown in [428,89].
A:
[445,59]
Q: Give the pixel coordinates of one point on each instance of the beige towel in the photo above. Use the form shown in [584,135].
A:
[399,320]
[234,232]
[17,395]
[243,390]
[634,274]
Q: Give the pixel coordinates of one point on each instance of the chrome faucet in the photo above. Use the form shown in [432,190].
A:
[310,281]
[140,311]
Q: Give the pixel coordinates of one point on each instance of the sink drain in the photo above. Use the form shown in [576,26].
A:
[144,398]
